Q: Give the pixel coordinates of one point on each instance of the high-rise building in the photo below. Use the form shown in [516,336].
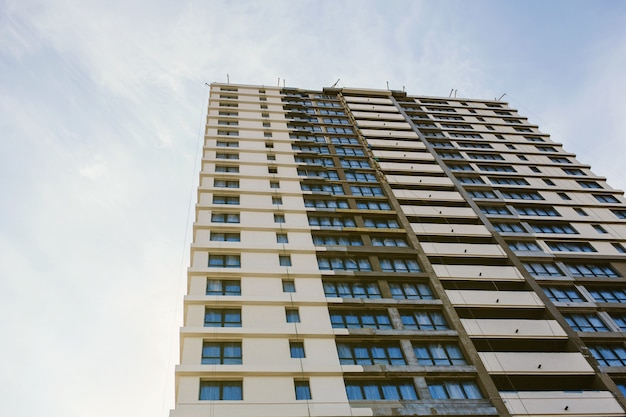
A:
[368,252]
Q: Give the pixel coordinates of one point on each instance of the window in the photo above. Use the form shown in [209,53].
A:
[564,196]
[482,194]
[334,189]
[542,269]
[514,195]
[573,171]
[282,238]
[563,294]
[549,182]
[389,241]
[580,211]
[410,291]
[589,184]
[522,158]
[296,349]
[221,353]
[399,265]
[618,247]
[284,260]
[599,229]
[350,289]
[292,315]
[620,214]
[508,228]
[534,169]
[508,181]
[587,322]
[341,240]
[271,157]
[360,176]
[226,168]
[279,218]
[509,146]
[460,167]
[344,264]
[524,246]
[457,126]
[226,183]
[368,319]
[592,270]
[609,355]
[571,247]
[303,390]
[620,320]
[344,140]
[372,205]
[486,156]
[559,160]
[354,163]
[380,390]
[442,145]
[289,286]
[223,155]
[366,191]
[423,320]
[221,390]
[225,217]
[274,184]
[471,180]
[226,199]
[277,200]
[454,390]
[370,354]
[222,317]
[450,155]
[474,145]
[267,134]
[349,151]
[224,261]
[381,223]
[225,237]
[227,144]
[608,295]
[267,124]
[228,132]
[546,149]
[553,228]
[544,211]
[445,354]
[533,139]
[223,287]
[331,221]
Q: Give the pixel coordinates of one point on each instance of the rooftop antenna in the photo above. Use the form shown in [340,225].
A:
[450,95]
[500,98]
[227,79]
[283,83]
[455,90]
[387,85]
[403,89]
[278,81]
[336,82]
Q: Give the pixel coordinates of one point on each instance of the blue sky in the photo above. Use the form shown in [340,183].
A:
[101,108]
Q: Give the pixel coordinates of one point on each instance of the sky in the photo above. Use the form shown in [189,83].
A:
[102,105]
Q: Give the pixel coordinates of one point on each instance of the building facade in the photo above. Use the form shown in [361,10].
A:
[368,252]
